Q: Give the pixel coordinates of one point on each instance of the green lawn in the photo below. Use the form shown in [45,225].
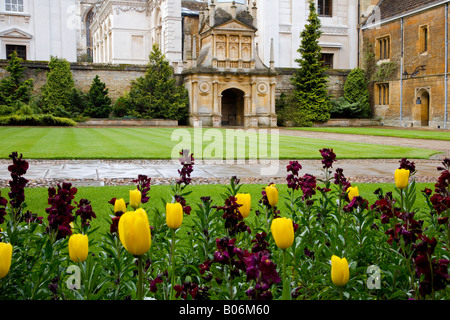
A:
[36,198]
[385,132]
[160,143]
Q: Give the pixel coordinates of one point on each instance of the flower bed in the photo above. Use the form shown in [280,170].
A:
[329,244]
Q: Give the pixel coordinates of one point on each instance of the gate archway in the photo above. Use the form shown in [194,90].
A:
[232,107]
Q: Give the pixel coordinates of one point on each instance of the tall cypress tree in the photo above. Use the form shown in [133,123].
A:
[310,95]
[156,94]
[99,104]
[58,87]
[13,88]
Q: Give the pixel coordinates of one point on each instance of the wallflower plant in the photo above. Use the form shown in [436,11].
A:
[223,253]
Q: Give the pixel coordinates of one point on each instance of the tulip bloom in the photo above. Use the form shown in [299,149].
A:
[5,258]
[135,199]
[272,194]
[174,215]
[120,205]
[401,178]
[339,271]
[283,232]
[134,232]
[352,192]
[78,247]
[245,200]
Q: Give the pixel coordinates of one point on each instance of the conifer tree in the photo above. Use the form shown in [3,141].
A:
[99,104]
[156,94]
[355,90]
[57,90]
[13,89]
[310,95]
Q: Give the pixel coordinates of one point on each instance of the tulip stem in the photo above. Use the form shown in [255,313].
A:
[140,288]
[286,295]
[172,254]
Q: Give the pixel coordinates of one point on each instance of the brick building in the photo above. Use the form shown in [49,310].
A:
[405,50]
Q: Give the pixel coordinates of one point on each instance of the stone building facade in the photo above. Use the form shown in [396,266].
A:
[228,84]
[38,29]
[409,39]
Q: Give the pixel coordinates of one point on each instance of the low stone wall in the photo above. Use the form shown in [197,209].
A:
[130,122]
[336,81]
[118,78]
[349,123]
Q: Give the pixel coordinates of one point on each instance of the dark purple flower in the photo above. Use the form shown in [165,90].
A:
[182,201]
[358,203]
[294,167]
[3,204]
[263,271]
[260,243]
[143,185]
[85,212]
[328,157]
[60,212]
[187,162]
[233,219]
[308,185]
[408,165]
[192,289]
[341,180]
[17,184]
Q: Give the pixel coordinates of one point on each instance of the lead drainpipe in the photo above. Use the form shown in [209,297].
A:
[446,66]
[401,76]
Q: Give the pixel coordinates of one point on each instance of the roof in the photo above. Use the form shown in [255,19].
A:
[193,7]
[392,8]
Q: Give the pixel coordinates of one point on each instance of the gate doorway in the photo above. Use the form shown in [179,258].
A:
[424,106]
[233,107]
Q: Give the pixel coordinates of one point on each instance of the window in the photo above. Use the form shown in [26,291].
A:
[324,8]
[424,37]
[21,51]
[383,94]
[327,60]
[14,5]
[384,48]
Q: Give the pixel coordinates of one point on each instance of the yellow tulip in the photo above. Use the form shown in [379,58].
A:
[283,232]
[245,200]
[134,232]
[135,199]
[120,205]
[339,271]
[78,247]
[352,192]
[5,258]
[174,215]
[272,194]
[401,178]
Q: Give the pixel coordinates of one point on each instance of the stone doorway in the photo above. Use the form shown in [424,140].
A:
[423,104]
[233,107]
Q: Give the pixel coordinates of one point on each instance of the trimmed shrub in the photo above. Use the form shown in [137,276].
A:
[356,92]
[12,87]
[35,120]
[310,81]
[99,104]
[58,88]
[156,95]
